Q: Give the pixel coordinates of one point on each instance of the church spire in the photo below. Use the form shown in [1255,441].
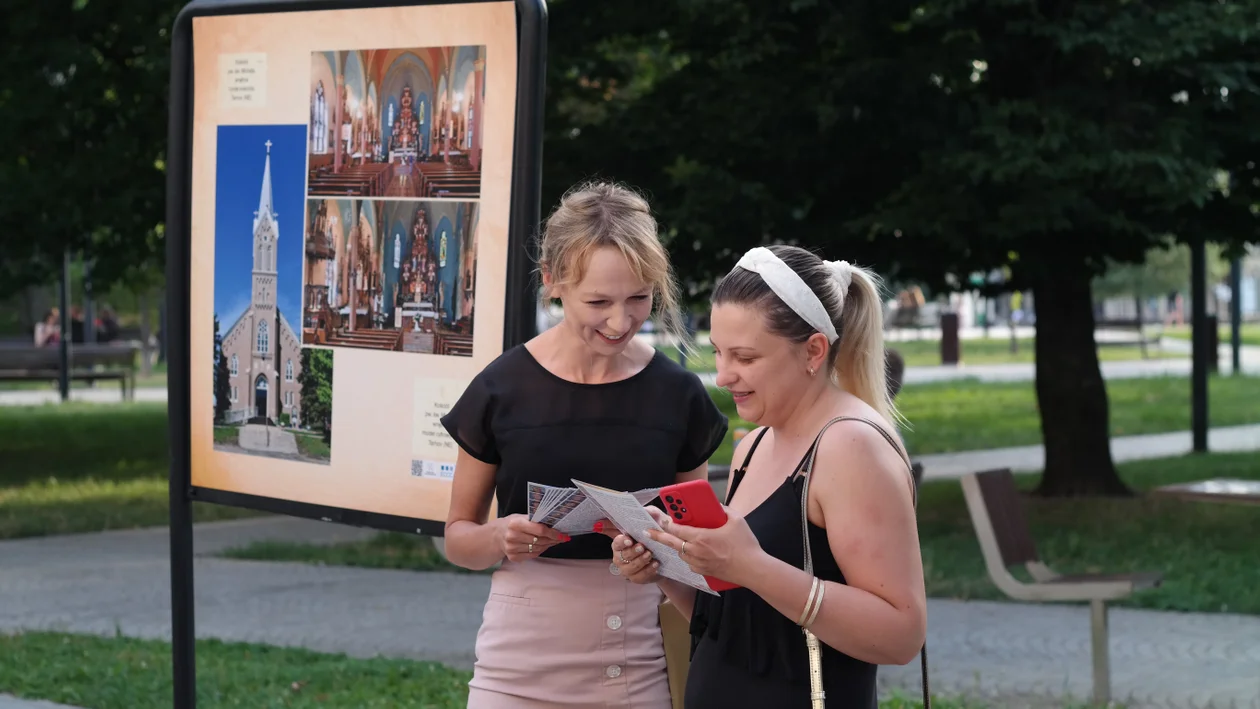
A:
[264,200]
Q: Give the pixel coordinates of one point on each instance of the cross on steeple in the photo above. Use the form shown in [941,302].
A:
[268,147]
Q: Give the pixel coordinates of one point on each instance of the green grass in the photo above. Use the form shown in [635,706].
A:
[312,445]
[125,673]
[997,350]
[85,468]
[1250,333]
[387,550]
[1206,551]
[966,415]
[927,353]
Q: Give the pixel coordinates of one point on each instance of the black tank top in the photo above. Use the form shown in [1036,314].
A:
[747,654]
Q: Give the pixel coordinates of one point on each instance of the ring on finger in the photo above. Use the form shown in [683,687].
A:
[530,548]
[683,550]
[623,557]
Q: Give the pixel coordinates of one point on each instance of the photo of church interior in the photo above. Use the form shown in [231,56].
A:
[390,275]
[397,123]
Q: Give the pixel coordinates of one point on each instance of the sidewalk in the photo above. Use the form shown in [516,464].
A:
[8,701]
[1125,369]
[92,583]
[1123,448]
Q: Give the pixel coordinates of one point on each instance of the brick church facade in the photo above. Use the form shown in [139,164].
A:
[262,349]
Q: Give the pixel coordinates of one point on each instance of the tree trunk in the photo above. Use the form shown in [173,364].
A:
[146,330]
[1070,390]
[1141,329]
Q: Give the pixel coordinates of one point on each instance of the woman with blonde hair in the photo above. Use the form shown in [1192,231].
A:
[583,400]
[821,534]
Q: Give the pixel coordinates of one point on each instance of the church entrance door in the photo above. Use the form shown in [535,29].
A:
[260,397]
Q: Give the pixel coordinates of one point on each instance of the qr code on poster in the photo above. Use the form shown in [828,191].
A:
[432,469]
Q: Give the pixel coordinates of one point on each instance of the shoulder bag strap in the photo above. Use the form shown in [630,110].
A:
[806,471]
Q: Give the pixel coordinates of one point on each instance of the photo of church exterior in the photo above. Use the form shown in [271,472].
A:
[259,359]
[403,123]
[391,275]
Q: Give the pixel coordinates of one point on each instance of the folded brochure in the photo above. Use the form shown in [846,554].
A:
[575,511]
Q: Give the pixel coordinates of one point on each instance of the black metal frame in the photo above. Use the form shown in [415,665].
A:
[519,322]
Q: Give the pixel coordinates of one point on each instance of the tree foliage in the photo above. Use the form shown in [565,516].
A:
[1164,269]
[316,382]
[222,381]
[1050,139]
[85,104]
[934,140]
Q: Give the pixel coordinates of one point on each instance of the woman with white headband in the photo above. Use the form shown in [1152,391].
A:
[821,535]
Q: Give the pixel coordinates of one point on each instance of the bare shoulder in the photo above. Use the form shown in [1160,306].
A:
[855,456]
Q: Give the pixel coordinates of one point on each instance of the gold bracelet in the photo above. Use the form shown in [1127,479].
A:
[809,602]
[822,589]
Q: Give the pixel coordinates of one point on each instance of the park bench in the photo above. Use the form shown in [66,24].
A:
[89,363]
[906,317]
[1141,329]
[1002,530]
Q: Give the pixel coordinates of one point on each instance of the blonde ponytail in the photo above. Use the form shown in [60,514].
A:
[860,366]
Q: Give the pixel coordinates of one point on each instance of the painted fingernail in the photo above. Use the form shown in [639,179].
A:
[638,549]
[656,564]
[599,526]
[565,538]
[647,555]
[627,544]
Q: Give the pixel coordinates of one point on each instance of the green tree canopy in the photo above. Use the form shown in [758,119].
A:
[933,140]
[85,103]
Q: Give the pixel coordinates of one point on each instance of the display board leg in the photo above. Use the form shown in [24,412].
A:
[179,190]
[183,633]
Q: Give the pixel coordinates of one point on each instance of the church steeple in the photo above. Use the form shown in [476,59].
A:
[264,199]
[266,242]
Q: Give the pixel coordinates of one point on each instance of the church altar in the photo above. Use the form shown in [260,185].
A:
[405,129]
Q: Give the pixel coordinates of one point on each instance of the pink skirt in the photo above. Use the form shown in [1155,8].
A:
[569,633]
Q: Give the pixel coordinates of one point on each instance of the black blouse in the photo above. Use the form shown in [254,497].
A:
[636,433]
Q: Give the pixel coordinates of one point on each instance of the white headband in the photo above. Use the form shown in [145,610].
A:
[793,291]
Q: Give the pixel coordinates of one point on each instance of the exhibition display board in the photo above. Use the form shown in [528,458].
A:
[347,248]
[352,191]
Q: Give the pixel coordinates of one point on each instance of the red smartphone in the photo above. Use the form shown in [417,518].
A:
[693,503]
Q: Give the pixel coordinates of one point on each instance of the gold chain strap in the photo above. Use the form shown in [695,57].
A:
[816,693]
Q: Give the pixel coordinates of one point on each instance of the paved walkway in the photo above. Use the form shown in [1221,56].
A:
[99,395]
[1126,369]
[8,701]
[1123,448]
[94,583]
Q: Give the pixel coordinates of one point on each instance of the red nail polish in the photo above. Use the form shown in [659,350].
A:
[599,526]
[567,538]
